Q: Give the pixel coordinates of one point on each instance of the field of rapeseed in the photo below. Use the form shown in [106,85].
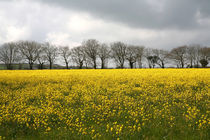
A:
[105,104]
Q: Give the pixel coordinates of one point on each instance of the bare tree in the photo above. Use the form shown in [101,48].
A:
[78,56]
[51,52]
[204,63]
[91,49]
[30,50]
[190,55]
[148,52]
[205,56]
[140,52]
[119,53]
[132,55]
[205,53]
[162,57]
[65,53]
[197,55]
[179,55]
[104,54]
[153,59]
[9,54]
[193,55]
[42,59]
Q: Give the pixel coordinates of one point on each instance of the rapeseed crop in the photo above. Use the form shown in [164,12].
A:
[105,104]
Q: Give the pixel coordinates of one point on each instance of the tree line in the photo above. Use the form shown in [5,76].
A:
[93,54]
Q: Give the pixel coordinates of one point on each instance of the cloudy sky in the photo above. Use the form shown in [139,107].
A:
[152,23]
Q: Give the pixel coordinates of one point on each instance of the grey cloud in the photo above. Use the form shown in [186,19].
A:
[143,13]
[158,23]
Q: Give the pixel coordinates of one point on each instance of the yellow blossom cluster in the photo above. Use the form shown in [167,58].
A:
[105,104]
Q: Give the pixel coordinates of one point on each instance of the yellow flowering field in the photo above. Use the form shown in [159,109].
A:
[105,104]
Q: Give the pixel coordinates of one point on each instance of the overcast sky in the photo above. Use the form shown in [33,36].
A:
[152,23]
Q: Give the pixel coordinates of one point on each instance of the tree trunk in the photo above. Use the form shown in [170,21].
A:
[102,64]
[80,65]
[122,65]
[9,66]
[140,65]
[191,63]
[182,64]
[41,65]
[67,65]
[50,65]
[150,66]
[86,64]
[131,64]
[163,65]
[94,64]
[31,65]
